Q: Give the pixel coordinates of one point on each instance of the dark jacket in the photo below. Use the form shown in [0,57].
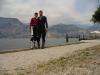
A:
[43,24]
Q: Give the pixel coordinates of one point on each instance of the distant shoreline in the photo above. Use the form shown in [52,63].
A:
[27,49]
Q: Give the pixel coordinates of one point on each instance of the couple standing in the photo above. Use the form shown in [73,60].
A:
[39,27]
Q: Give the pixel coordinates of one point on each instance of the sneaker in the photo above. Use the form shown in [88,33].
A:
[31,47]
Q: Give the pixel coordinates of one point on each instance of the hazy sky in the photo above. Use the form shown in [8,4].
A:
[57,11]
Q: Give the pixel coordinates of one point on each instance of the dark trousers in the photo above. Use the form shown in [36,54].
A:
[35,34]
[41,34]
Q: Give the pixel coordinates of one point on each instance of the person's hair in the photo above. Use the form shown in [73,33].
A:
[41,11]
[36,13]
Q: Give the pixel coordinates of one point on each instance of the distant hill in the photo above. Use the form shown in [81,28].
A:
[12,28]
[84,26]
[62,29]
[95,27]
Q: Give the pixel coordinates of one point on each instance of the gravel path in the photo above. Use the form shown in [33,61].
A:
[10,61]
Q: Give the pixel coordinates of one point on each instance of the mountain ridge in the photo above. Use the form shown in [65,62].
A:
[14,28]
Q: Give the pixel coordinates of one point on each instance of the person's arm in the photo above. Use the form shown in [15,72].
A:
[46,22]
[30,25]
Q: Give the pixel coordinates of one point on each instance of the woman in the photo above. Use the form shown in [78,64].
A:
[34,29]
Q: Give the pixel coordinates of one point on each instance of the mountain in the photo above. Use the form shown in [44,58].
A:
[84,26]
[62,29]
[12,28]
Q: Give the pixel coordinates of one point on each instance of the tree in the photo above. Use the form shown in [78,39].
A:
[96,16]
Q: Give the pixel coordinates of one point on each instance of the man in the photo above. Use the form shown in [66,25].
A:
[34,29]
[42,28]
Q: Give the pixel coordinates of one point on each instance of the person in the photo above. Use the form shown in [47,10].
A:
[34,29]
[42,28]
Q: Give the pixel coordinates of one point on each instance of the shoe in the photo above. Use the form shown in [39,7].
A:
[31,47]
[42,47]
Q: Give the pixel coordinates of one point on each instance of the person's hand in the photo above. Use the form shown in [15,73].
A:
[46,29]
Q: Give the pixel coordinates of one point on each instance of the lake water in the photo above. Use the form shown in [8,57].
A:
[7,44]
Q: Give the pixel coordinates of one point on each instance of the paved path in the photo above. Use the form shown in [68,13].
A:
[10,61]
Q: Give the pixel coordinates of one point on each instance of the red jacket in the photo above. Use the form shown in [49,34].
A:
[34,22]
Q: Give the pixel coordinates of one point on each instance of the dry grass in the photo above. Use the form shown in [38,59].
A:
[84,62]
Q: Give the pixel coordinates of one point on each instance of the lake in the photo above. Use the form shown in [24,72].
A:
[7,44]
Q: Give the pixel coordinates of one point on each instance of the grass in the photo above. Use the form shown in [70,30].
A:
[8,74]
[83,62]
[86,60]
